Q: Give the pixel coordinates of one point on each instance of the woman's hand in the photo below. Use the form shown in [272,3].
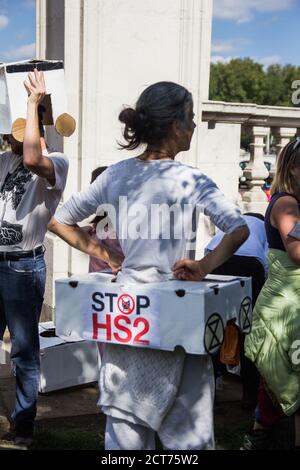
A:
[189,270]
[35,87]
[114,260]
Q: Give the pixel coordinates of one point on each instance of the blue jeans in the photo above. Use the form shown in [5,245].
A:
[22,286]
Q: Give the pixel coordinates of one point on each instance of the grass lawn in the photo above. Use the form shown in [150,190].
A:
[80,433]
[87,432]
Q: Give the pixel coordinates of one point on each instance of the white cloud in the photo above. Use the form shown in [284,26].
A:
[243,11]
[219,58]
[3,21]
[27,51]
[224,46]
[265,61]
[221,47]
[269,60]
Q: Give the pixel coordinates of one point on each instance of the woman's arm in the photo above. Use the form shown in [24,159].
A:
[80,206]
[227,217]
[190,270]
[284,216]
[80,239]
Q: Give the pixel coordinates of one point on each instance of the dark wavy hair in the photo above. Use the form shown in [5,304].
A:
[158,107]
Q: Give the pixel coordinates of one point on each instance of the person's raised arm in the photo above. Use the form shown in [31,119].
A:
[33,157]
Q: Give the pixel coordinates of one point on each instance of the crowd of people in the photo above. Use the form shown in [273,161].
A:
[144,392]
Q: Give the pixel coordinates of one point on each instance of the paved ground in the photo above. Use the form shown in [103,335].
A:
[69,419]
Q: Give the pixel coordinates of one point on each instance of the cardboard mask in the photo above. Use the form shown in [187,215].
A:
[13,98]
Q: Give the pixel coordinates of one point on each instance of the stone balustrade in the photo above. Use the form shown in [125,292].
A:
[260,121]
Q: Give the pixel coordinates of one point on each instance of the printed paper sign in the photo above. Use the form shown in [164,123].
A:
[115,314]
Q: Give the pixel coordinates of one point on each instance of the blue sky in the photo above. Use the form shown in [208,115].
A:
[265,30]
[17,30]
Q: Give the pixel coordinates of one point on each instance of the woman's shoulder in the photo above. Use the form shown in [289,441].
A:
[121,165]
[282,202]
[115,168]
[283,197]
[282,194]
[192,170]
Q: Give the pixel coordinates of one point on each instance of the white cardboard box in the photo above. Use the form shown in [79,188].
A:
[65,364]
[13,97]
[156,315]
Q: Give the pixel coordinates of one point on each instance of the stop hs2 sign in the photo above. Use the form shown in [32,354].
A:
[122,316]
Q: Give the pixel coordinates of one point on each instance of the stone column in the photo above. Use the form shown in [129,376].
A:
[282,136]
[111,55]
[112,50]
[255,200]
[41,29]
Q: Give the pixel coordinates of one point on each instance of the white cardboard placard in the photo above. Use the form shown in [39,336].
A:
[122,315]
[13,95]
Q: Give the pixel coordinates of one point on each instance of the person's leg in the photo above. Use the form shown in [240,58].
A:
[22,292]
[267,415]
[250,379]
[189,424]
[123,435]
[219,369]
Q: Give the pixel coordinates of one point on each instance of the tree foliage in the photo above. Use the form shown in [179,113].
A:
[246,81]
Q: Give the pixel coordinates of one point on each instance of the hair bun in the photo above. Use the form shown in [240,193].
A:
[130,118]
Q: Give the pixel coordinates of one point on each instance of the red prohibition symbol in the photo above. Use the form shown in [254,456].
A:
[126,304]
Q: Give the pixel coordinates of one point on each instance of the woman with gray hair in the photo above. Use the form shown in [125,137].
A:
[147,390]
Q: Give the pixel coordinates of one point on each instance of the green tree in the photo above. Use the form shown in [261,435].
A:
[279,81]
[241,80]
[246,81]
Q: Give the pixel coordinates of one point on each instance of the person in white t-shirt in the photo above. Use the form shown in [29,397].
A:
[32,180]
